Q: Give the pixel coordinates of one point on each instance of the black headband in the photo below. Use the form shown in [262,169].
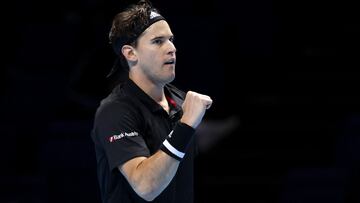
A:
[121,41]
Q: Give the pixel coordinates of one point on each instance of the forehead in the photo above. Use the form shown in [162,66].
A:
[158,29]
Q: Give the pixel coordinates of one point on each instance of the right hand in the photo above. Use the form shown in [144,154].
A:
[194,108]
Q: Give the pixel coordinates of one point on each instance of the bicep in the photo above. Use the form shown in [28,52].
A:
[128,167]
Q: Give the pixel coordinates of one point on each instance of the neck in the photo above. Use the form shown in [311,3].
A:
[155,91]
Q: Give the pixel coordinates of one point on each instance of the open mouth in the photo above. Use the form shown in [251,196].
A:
[170,62]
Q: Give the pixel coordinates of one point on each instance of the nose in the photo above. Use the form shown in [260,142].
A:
[172,48]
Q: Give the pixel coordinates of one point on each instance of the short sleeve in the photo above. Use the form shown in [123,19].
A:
[118,129]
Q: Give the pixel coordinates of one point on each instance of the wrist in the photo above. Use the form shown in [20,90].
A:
[178,140]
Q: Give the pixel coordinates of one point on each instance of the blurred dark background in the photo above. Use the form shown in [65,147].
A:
[287,70]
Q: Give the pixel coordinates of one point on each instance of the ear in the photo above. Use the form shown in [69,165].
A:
[129,53]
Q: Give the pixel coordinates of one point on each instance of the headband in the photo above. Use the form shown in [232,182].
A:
[138,30]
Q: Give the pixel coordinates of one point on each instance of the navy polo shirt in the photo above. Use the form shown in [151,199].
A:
[128,124]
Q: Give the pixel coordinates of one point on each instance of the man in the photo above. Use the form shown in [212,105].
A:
[143,131]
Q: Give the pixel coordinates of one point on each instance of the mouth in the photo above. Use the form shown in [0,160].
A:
[170,62]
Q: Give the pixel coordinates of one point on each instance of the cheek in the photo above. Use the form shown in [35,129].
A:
[153,57]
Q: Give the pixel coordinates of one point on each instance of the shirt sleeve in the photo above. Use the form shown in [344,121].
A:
[118,126]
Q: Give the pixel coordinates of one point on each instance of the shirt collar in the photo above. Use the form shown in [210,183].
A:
[175,101]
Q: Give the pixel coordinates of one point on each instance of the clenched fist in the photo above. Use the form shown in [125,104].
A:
[194,108]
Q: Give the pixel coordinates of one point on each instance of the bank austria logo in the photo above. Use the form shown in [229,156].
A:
[121,135]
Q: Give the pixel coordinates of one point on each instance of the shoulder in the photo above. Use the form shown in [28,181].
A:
[116,106]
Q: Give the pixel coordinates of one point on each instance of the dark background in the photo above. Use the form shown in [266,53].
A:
[289,70]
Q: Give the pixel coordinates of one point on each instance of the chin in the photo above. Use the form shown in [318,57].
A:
[169,79]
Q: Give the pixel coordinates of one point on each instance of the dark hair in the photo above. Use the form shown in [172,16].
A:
[127,26]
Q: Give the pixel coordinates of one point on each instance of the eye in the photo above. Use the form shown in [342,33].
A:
[157,41]
[172,39]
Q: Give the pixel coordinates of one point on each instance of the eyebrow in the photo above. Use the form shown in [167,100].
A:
[162,37]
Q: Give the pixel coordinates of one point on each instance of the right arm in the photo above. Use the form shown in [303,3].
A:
[150,176]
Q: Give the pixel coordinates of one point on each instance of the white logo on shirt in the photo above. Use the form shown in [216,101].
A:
[121,135]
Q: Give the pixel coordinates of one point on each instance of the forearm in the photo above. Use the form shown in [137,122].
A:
[152,175]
